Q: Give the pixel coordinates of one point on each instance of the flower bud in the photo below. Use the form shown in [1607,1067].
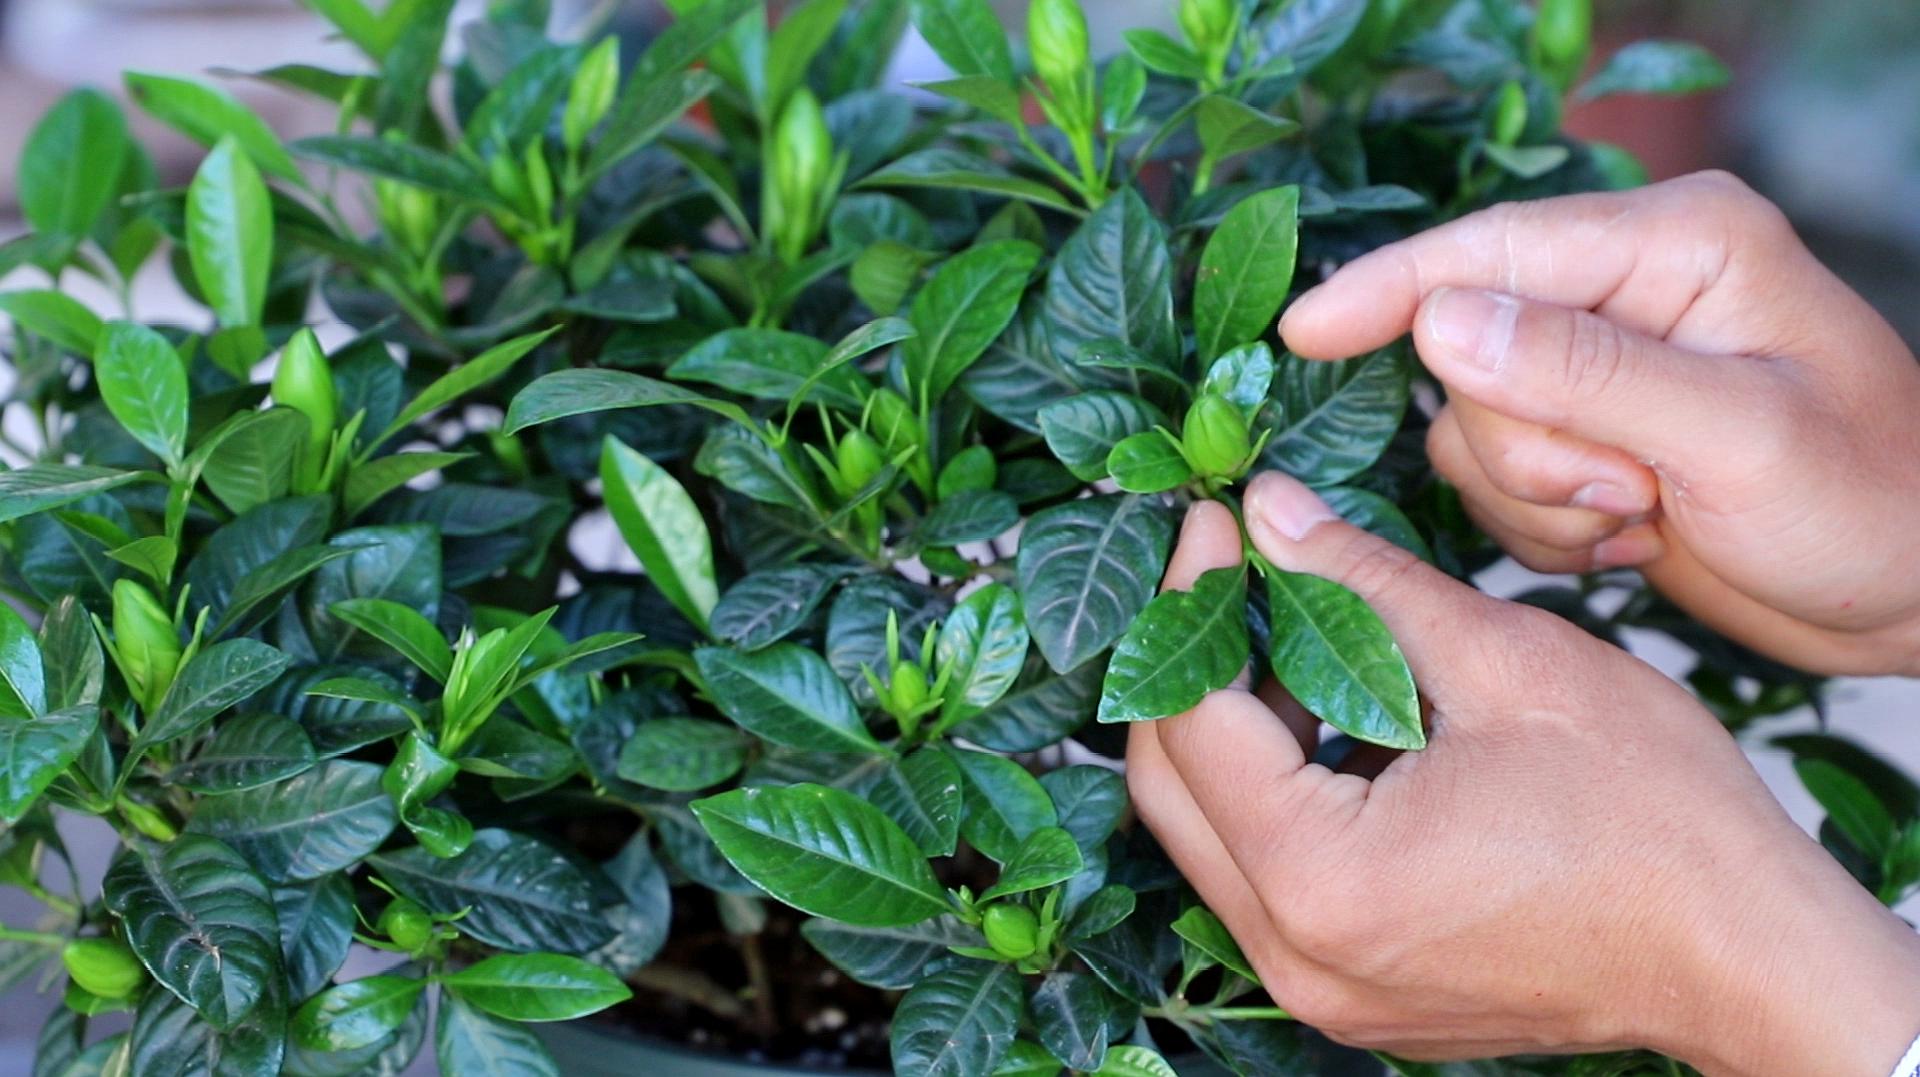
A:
[908,689]
[1509,114]
[105,967]
[1208,24]
[802,167]
[1012,930]
[146,643]
[303,381]
[1216,439]
[147,820]
[1562,34]
[592,93]
[1057,37]
[894,424]
[859,459]
[407,924]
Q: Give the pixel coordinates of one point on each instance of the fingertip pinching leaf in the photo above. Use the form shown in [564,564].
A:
[1184,645]
[1336,656]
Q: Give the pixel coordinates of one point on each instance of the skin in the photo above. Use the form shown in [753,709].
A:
[1582,858]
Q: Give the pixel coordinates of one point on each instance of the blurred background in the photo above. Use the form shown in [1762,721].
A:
[1823,116]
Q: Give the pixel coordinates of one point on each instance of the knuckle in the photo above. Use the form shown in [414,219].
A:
[1374,565]
[1595,355]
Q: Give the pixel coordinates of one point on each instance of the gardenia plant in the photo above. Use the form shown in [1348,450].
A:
[893,396]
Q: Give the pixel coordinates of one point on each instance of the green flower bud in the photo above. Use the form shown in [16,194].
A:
[146,643]
[103,966]
[1012,930]
[908,688]
[147,820]
[1216,439]
[859,459]
[1509,114]
[303,381]
[407,924]
[971,469]
[591,96]
[893,423]
[802,168]
[1562,34]
[408,213]
[1208,24]
[1057,37]
[505,179]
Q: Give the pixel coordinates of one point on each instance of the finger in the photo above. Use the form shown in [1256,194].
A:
[1423,607]
[1642,257]
[1551,468]
[1556,531]
[1209,539]
[1571,370]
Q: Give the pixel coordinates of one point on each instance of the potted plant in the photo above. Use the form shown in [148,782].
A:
[890,399]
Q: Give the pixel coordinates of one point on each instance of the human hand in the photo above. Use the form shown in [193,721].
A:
[1581,858]
[1665,379]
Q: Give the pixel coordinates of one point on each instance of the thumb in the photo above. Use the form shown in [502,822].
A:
[1433,617]
[1576,371]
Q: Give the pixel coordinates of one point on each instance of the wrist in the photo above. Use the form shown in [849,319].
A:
[1799,971]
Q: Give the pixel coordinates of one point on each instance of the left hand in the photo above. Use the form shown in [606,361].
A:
[1580,859]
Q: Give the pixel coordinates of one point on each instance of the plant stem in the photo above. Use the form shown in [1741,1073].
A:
[39,938]
[760,984]
[690,986]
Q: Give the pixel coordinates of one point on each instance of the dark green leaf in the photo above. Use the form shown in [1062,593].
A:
[217,678]
[663,527]
[1004,804]
[1083,430]
[1114,281]
[320,821]
[771,364]
[467,1040]
[1245,272]
[969,516]
[892,958]
[578,392]
[1090,801]
[982,647]
[1658,67]
[255,597]
[682,755]
[825,852]
[766,607]
[965,305]
[245,753]
[399,563]
[375,479]
[480,371]
[1184,645]
[1086,569]
[523,896]
[35,751]
[957,1022]
[169,1039]
[1307,31]
[1042,710]
[1371,512]
[1331,421]
[403,161]
[1045,857]
[786,694]
[1852,806]
[1336,657]
[922,794]
[316,929]
[941,168]
[1076,1017]
[202,922]
[251,465]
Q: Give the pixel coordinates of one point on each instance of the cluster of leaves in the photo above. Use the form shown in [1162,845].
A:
[333,652]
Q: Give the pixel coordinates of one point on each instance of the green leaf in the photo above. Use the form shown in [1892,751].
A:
[966,34]
[957,1022]
[1244,376]
[1025,1059]
[1528,162]
[144,384]
[996,97]
[766,607]
[246,753]
[1308,32]
[922,794]
[968,516]
[825,852]
[29,491]
[1004,804]
[71,165]
[1041,711]
[520,895]
[941,168]
[468,1041]
[369,482]
[56,316]
[1086,569]
[201,921]
[317,822]
[891,958]
[682,755]
[417,774]
[1658,67]
[1076,1016]
[1128,1060]
[537,987]
[213,680]
[639,118]
[1371,512]
[1045,857]
[1183,646]
[1090,801]
[663,527]
[1102,911]
[402,628]
[772,364]
[1245,271]
[963,307]
[471,376]
[23,676]
[566,393]
[355,1014]
[1337,658]
[230,234]
[786,694]
[208,114]
[251,465]
[1163,54]
[1228,127]
[1083,430]
[316,930]
[168,1037]
[35,751]
[405,162]
[982,647]
[1853,807]
[1113,280]
[1331,421]
[1148,463]
[1204,931]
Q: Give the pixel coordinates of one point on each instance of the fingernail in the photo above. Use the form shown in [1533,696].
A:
[1286,506]
[1629,549]
[1610,498]
[1474,325]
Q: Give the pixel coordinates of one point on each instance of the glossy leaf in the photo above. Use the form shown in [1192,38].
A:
[144,384]
[1004,804]
[1850,804]
[58,317]
[1089,800]
[957,1022]
[566,393]
[536,987]
[772,364]
[786,694]
[230,234]
[825,852]
[316,928]
[682,755]
[961,309]
[1076,1018]
[23,674]
[1083,430]
[355,1014]
[663,527]
[213,680]
[477,373]
[319,821]
[892,958]
[766,607]
[966,34]
[1184,645]
[982,648]
[520,895]
[30,490]
[208,114]
[1245,271]
[245,753]
[72,163]
[467,1040]
[402,628]
[1148,463]
[1114,281]
[1337,658]
[1086,569]
[922,794]
[1045,857]
[35,751]
[1331,421]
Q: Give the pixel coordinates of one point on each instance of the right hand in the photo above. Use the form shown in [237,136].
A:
[1665,379]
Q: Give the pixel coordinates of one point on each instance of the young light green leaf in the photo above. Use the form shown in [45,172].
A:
[401,627]
[1243,376]
[1204,931]
[72,163]
[144,384]
[537,987]
[208,114]
[1129,1060]
[23,677]
[1339,660]
[355,1014]
[1148,463]
[786,694]
[1228,127]
[981,649]
[230,234]
[1245,272]
[825,852]
[967,35]
[29,491]
[965,305]
[56,316]
[1183,646]
[470,376]
[1045,857]
[663,527]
